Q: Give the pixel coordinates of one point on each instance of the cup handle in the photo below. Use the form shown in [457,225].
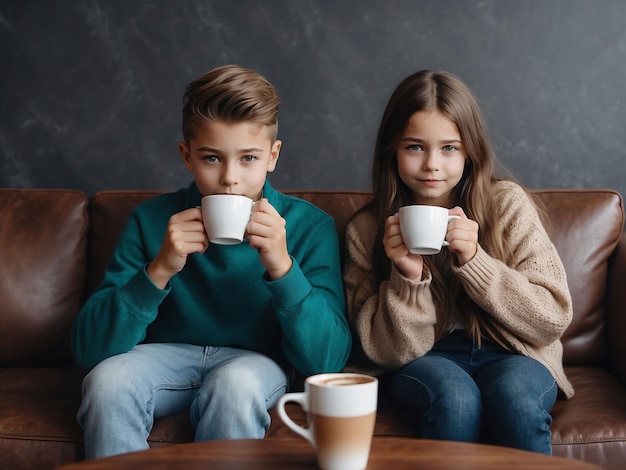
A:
[450,217]
[299,398]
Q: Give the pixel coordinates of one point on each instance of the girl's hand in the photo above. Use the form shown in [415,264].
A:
[184,235]
[408,264]
[462,236]
[266,232]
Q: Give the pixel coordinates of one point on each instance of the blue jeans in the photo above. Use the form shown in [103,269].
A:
[461,392]
[227,392]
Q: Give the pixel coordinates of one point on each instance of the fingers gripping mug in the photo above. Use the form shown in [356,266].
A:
[341,413]
[226,217]
[424,228]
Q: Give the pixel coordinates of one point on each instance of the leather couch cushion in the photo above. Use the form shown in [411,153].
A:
[43,253]
[585,226]
[591,426]
[38,407]
[616,319]
[109,212]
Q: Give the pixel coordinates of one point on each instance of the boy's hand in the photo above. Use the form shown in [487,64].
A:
[408,264]
[184,235]
[267,234]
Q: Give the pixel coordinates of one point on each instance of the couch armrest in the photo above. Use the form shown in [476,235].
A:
[616,310]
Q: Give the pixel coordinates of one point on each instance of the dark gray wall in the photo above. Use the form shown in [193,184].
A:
[90,91]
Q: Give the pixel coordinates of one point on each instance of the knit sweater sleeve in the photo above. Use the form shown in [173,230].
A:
[394,321]
[527,294]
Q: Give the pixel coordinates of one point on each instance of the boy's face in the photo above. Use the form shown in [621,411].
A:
[230,158]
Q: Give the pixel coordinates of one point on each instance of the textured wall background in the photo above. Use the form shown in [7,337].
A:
[90,90]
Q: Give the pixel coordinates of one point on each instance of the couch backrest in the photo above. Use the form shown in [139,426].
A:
[109,211]
[43,240]
[585,225]
[44,251]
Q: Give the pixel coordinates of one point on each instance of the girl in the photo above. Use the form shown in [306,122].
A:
[470,337]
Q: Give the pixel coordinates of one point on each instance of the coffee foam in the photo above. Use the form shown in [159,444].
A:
[345,381]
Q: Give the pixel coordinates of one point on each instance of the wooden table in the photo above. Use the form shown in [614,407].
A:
[295,453]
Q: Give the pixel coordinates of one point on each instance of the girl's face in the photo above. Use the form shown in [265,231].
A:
[431,157]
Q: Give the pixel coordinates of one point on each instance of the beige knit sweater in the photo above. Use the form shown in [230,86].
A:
[527,294]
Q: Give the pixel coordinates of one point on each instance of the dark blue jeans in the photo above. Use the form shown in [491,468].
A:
[461,392]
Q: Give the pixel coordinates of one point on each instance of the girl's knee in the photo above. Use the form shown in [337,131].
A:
[522,395]
[444,394]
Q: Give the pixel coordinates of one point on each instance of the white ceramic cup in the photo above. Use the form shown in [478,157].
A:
[424,228]
[341,413]
[226,217]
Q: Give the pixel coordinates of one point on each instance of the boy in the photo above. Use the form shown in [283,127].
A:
[179,324]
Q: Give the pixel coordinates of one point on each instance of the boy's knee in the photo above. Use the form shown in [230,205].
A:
[243,383]
[107,381]
[235,383]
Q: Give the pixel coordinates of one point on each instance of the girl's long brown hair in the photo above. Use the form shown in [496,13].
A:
[442,91]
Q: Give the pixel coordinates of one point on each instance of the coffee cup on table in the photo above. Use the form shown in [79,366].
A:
[341,413]
[226,217]
[424,228]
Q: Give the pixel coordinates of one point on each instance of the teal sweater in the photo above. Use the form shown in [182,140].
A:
[222,297]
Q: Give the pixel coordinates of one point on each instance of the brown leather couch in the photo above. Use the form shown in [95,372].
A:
[54,245]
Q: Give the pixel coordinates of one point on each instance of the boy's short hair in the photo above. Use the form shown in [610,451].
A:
[230,94]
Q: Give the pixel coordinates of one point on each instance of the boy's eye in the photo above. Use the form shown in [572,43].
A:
[248,158]
[210,158]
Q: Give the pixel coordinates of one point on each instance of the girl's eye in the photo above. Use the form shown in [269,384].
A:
[450,148]
[415,147]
